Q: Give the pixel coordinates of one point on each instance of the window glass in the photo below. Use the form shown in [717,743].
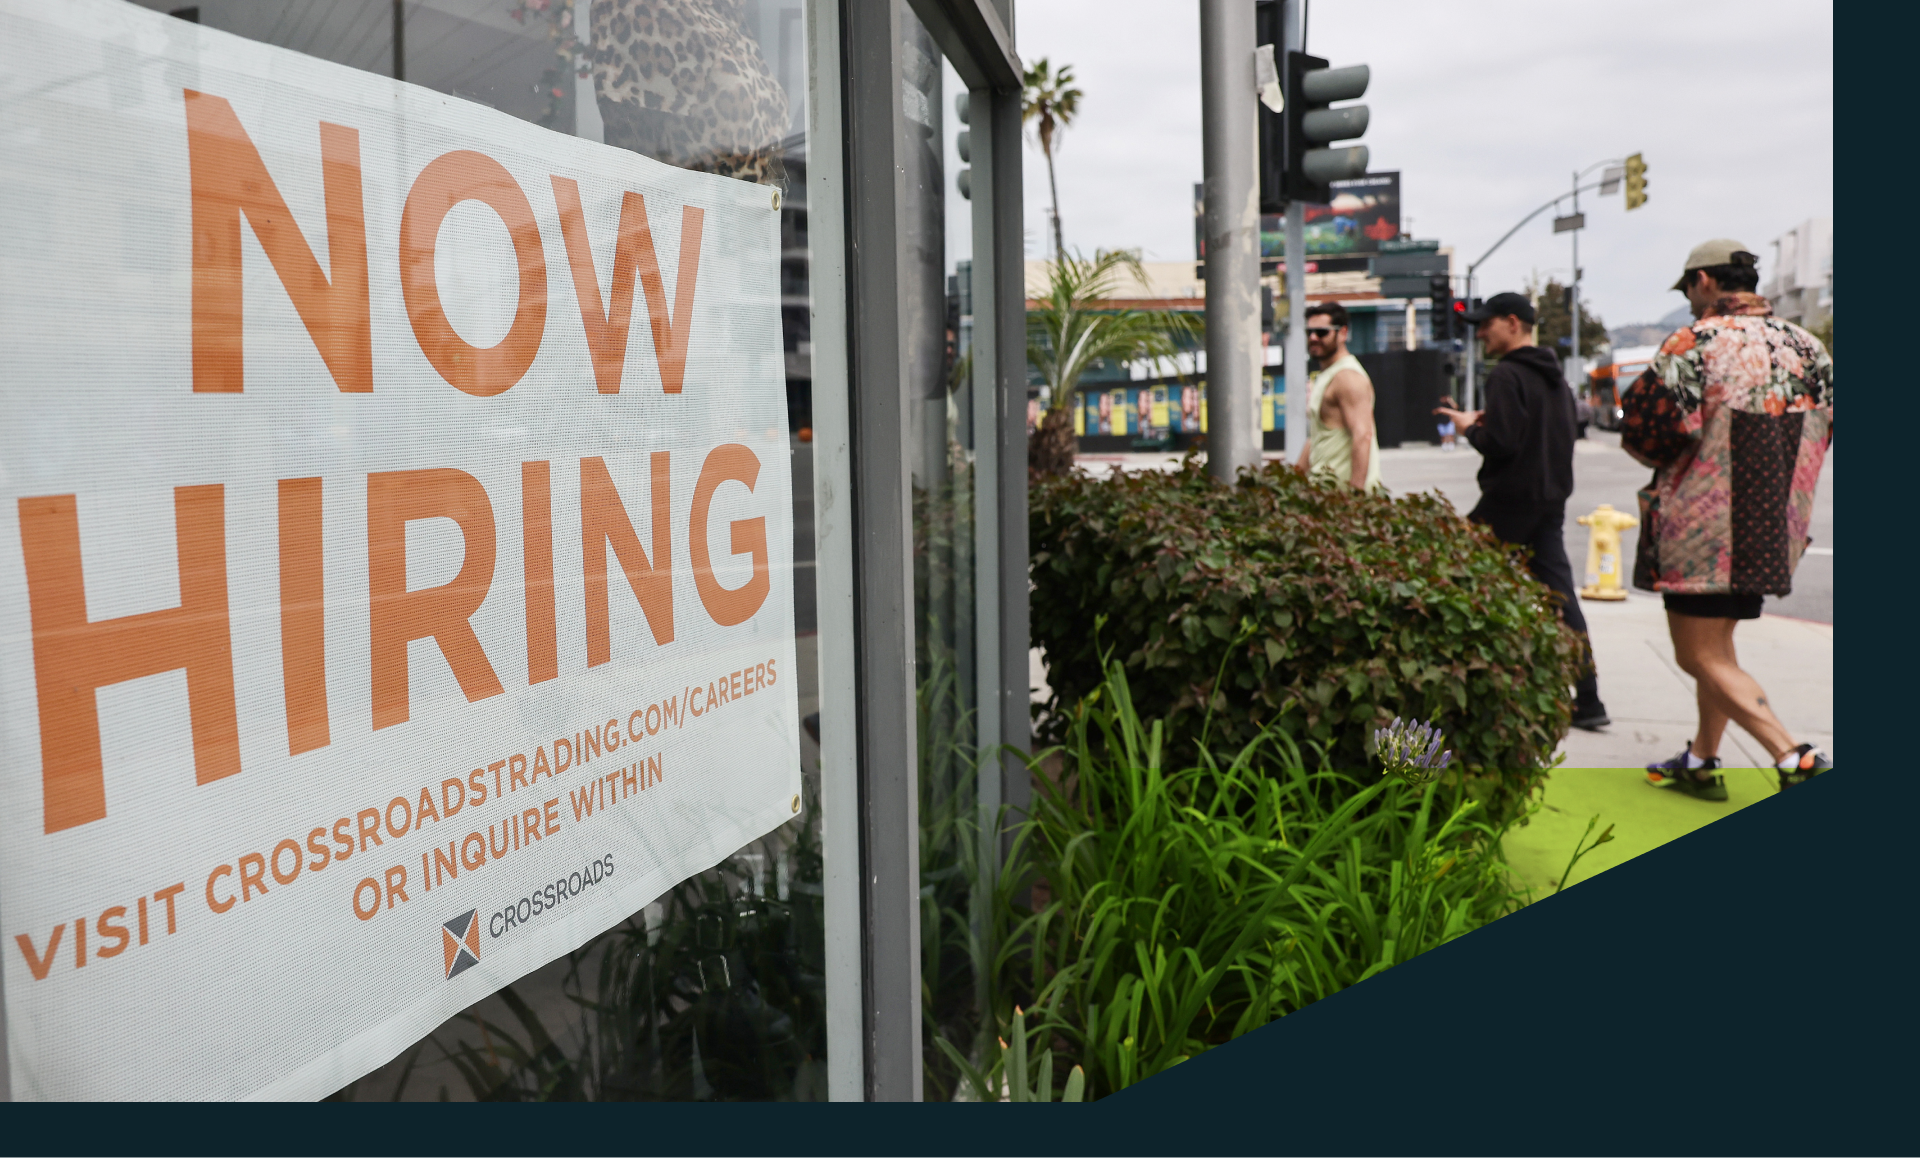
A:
[717,989]
[948,505]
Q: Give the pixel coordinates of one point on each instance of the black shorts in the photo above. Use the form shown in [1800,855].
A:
[1725,605]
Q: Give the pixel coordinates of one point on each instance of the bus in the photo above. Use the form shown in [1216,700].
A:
[1606,383]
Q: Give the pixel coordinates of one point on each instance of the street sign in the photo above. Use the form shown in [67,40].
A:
[1410,263]
[1610,180]
[1409,273]
[1571,221]
[1408,286]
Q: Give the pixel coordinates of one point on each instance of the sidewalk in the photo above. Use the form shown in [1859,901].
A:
[1652,704]
[1649,698]
[1652,701]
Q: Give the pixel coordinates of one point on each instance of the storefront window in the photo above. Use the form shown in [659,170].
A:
[716,991]
[398,453]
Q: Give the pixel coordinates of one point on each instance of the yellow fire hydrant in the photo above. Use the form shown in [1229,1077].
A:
[1603,551]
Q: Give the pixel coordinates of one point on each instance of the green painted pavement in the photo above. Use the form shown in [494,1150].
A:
[1643,819]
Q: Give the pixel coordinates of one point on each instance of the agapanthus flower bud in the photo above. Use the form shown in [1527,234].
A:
[1411,750]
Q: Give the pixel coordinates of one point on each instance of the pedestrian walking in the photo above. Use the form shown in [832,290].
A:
[1341,442]
[1525,436]
[1735,415]
[1446,427]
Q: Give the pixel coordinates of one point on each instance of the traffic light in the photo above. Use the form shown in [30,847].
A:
[1440,317]
[963,143]
[1311,122]
[1293,164]
[1271,131]
[1636,182]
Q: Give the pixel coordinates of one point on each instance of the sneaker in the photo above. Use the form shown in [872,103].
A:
[1675,776]
[1812,762]
[1591,718]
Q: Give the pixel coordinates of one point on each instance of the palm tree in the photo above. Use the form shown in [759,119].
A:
[1049,98]
[1078,324]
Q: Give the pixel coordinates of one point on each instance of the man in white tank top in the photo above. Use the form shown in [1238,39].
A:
[1341,442]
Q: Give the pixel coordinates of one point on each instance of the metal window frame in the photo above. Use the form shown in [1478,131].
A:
[863,503]
[835,531]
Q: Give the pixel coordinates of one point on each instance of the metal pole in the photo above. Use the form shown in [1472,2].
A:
[399,40]
[1232,216]
[1573,340]
[1294,360]
[1466,383]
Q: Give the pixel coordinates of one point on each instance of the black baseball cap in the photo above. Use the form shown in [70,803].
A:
[1503,305]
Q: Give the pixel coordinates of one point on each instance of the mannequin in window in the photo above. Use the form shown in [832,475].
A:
[683,81]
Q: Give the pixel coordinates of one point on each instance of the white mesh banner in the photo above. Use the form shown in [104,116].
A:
[395,552]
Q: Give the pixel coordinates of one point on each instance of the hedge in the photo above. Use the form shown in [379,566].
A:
[1282,598]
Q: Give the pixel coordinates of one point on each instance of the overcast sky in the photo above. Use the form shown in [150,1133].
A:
[1486,109]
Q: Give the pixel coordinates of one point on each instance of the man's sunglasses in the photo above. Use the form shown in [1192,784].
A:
[1319,332]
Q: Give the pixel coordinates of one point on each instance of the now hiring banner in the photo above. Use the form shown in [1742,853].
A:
[395,553]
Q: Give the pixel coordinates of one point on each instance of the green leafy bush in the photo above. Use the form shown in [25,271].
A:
[1320,610]
[1175,909]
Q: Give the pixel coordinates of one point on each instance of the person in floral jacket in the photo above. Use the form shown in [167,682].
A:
[1735,415]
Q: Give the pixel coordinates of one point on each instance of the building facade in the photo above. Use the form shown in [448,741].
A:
[1801,287]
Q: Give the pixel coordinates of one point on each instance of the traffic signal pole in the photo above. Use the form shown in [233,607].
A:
[1297,168]
[1294,364]
[1574,376]
[1573,304]
[1468,399]
[1231,215]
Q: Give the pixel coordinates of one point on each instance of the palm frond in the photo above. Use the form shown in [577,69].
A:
[1080,322]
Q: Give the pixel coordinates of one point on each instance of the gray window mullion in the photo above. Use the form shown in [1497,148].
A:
[1006,242]
[884,643]
[836,535]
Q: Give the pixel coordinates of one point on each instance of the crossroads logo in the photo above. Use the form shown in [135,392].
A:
[460,940]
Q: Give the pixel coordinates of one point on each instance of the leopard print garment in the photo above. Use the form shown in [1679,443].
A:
[684,82]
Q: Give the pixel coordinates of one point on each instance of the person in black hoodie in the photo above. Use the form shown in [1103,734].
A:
[1525,435]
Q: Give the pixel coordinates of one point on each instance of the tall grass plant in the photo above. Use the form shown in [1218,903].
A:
[1152,911]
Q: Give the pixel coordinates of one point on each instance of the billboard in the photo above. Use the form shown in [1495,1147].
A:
[395,553]
[1365,212]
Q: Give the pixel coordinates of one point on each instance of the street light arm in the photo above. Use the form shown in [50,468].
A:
[1523,221]
[1470,387]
